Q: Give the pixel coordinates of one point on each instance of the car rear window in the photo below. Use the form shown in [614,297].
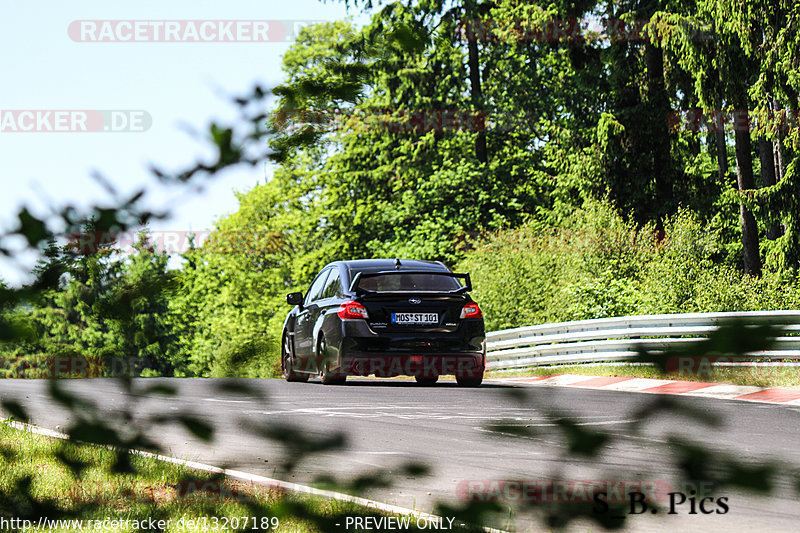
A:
[409,282]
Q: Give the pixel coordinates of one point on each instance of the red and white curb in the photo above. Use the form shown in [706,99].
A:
[780,395]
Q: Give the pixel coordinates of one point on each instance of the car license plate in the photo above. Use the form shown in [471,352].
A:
[415,318]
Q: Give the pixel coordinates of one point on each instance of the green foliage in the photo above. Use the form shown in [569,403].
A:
[368,166]
[596,265]
[106,314]
[442,130]
[569,198]
[230,298]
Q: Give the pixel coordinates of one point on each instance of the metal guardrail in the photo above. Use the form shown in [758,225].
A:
[621,338]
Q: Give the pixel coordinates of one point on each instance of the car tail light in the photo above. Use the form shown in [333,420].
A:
[352,309]
[471,310]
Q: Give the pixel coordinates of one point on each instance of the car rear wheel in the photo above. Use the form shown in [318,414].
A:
[426,381]
[464,381]
[329,377]
[289,363]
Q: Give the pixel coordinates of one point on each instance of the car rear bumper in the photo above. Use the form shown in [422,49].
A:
[385,353]
[358,337]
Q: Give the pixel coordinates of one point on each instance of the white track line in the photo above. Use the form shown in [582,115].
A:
[256,479]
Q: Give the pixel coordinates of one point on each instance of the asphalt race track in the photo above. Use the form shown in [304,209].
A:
[387,423]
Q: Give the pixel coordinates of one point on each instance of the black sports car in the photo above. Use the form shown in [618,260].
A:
[385,317]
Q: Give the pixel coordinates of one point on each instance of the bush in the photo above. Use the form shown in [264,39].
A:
[596,265]
[247,359]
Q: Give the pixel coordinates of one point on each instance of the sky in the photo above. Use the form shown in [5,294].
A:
[175,87]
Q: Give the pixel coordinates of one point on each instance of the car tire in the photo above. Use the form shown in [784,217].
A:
[469,381]
[328,377]
[288,362]
[426,381]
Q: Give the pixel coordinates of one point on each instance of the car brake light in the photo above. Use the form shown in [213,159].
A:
[351,309]
[471,310]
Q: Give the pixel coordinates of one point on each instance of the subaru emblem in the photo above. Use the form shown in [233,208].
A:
[414,301]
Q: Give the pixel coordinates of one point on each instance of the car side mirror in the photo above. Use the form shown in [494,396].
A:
[294,298]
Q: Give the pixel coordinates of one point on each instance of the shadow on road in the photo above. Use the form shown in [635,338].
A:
[376,382]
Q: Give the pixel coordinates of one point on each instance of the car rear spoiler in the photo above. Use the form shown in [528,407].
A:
[355,289]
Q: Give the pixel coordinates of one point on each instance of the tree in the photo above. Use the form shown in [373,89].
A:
[680,31]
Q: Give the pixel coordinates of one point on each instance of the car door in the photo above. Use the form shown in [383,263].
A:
[306,317]
[327,306]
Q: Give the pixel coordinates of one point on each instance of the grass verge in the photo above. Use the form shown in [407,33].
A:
[75,482]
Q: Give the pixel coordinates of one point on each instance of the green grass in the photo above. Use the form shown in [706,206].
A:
[36,478]
[764,376]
